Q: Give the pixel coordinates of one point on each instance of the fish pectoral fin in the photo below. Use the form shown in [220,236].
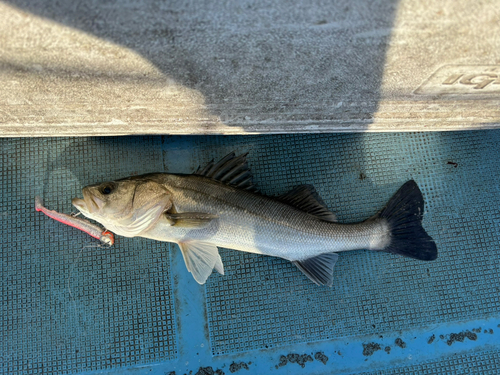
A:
[195,220]
[201,258]
[306,198]
[319,269]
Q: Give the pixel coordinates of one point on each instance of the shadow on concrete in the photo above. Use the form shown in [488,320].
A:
[252,61]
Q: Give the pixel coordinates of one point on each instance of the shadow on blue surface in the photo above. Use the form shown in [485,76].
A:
[70,308]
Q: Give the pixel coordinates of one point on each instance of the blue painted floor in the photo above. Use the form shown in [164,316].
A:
[69,306]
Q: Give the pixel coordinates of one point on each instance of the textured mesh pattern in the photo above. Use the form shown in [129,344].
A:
[68,306]
[477,363]
[266,302]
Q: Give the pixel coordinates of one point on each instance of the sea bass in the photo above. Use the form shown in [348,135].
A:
[218,206]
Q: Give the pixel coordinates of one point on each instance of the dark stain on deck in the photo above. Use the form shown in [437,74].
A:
[300,359]
[370,348]
[460,337]
[399,342]
[320,356]
[209,371]
[238,366]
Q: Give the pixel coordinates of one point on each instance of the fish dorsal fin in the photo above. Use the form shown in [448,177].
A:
[232,170]
[319,269]
[305,198]
[201,258]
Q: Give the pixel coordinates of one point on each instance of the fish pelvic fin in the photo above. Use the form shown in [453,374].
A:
[201,258]
[319,269]
[404,213]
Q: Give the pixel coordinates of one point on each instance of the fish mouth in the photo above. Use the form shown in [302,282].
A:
[89,204]
[80,205]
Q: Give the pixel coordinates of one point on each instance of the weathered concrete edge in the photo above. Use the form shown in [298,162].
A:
[10,130]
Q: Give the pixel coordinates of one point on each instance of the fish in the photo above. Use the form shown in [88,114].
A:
[219,206]
[106,237]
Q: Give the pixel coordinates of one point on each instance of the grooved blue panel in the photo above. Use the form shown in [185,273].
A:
[485,363]
[267,302]
[67,305]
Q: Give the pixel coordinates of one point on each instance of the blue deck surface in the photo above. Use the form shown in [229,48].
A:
[69,306]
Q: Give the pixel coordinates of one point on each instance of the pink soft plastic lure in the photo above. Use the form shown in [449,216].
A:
[93,230]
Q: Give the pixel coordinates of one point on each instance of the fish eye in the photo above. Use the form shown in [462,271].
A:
[107,189]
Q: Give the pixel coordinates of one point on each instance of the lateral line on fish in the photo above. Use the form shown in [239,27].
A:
[268,219]
[93,230]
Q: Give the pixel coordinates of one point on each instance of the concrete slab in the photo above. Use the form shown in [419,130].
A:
[200,67]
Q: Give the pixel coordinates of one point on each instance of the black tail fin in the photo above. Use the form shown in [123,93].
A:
[404,214]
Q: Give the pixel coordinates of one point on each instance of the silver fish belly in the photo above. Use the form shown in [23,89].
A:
[218,206]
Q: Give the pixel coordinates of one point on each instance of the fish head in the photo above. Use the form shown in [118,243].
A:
[127,207]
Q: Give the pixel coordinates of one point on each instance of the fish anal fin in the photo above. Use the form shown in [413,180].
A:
[195,220]
[319,269]
[305,198]
[201,258]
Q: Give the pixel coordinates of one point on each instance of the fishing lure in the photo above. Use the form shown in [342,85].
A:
[106,237]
